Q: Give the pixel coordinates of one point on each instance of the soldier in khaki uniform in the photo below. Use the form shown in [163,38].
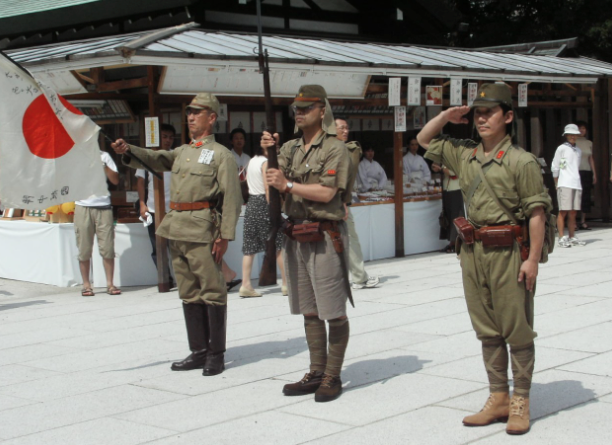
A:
[205,205]
[313,174]
[499,286]
[355,265]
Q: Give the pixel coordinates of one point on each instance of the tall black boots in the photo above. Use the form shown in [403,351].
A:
[206,327]
[197,336]
[217,323]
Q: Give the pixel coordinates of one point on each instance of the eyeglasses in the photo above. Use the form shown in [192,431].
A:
[343,128]
[304,110]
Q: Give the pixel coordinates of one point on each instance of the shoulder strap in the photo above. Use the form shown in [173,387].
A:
[508,213]
[474,185]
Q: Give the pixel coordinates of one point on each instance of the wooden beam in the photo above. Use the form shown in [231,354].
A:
[97,74]
[126,84]
[161,244]
[398,181]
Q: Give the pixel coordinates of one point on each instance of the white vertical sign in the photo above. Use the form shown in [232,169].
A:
[395,88]
[472,93]
[455,90]
[152,131]
[400,118]
[414,91]
[522,95]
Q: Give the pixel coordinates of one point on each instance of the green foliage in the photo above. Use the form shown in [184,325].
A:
[504,22]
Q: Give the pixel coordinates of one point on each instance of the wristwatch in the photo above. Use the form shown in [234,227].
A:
[289,187]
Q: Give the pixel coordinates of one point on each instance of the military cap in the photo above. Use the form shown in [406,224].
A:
[205,100]
[493,94]
[308,95]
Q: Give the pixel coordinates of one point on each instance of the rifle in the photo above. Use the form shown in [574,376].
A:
[267,276]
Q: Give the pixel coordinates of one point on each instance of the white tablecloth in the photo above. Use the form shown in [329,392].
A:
[47,253]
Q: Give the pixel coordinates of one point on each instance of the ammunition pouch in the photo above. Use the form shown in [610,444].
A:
[465,230]
[312,232]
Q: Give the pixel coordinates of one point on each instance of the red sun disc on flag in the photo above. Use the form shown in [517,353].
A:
[43,131]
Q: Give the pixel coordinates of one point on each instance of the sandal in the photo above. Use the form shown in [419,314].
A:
[113,290]
[232,284]
[87,292]
[448,249]
[584,226]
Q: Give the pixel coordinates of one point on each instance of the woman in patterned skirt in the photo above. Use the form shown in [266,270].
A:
[257,225]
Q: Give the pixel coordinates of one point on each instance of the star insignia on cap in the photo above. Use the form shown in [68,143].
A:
[482,94]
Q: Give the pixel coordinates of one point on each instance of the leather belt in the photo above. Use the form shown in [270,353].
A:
[517,231]
[186,206]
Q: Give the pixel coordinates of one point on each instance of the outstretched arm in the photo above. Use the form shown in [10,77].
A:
[455,115]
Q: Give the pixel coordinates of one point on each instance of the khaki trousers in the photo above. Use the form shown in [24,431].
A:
[355,264]
[198,277]
[499,306]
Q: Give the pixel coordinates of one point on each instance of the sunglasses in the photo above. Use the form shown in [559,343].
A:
[304,110]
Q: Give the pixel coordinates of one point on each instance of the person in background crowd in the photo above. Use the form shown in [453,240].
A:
[565,170]
[371,174]
[414,163]
[238,140]
[452,203]
[355,264]
[94,216]
[588,174]
[146,191]
[257,225]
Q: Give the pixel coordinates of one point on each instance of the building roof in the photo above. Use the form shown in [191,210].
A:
[187,51]
[14,8]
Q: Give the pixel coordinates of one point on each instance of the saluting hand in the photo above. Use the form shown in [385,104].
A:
[120,146]
[456,115]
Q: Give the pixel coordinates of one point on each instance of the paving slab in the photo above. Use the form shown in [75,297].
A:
[97,370]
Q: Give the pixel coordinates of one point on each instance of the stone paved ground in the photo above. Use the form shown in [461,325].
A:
[96,370]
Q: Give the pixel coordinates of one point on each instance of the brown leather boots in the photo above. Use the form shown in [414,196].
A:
[500,408]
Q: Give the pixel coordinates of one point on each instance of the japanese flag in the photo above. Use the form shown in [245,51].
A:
[49,151]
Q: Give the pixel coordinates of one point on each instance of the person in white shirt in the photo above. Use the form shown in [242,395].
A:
[371,174]
[147,199]
[94,216]
[414,163]
[588,173]
[565,170]
[238,140]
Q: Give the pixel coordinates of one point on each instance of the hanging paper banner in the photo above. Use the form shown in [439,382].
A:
[354,124]
[433,93]
[455,96]
[240,119]
[387,124]
[522,95]
[472,93]
[371,124]
[395,88]
[151,131]
[414,91]
[419,117]
[400,119]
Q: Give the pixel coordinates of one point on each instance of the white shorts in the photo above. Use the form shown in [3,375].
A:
[569,199]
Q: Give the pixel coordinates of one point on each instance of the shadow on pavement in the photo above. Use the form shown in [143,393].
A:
[552,398]
[368,372]
[5,307]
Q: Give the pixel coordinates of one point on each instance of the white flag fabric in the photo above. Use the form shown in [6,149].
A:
[49,152]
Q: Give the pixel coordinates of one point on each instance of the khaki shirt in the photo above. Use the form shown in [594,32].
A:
[195,181]
[326,163]
[515,176]
[354,152]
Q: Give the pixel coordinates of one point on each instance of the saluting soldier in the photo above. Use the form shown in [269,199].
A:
[205,205]
[499,285]
[313,174]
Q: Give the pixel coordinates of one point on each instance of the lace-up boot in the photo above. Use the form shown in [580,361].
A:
[330,389]
[518,422]
[495,410]
[309,384]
